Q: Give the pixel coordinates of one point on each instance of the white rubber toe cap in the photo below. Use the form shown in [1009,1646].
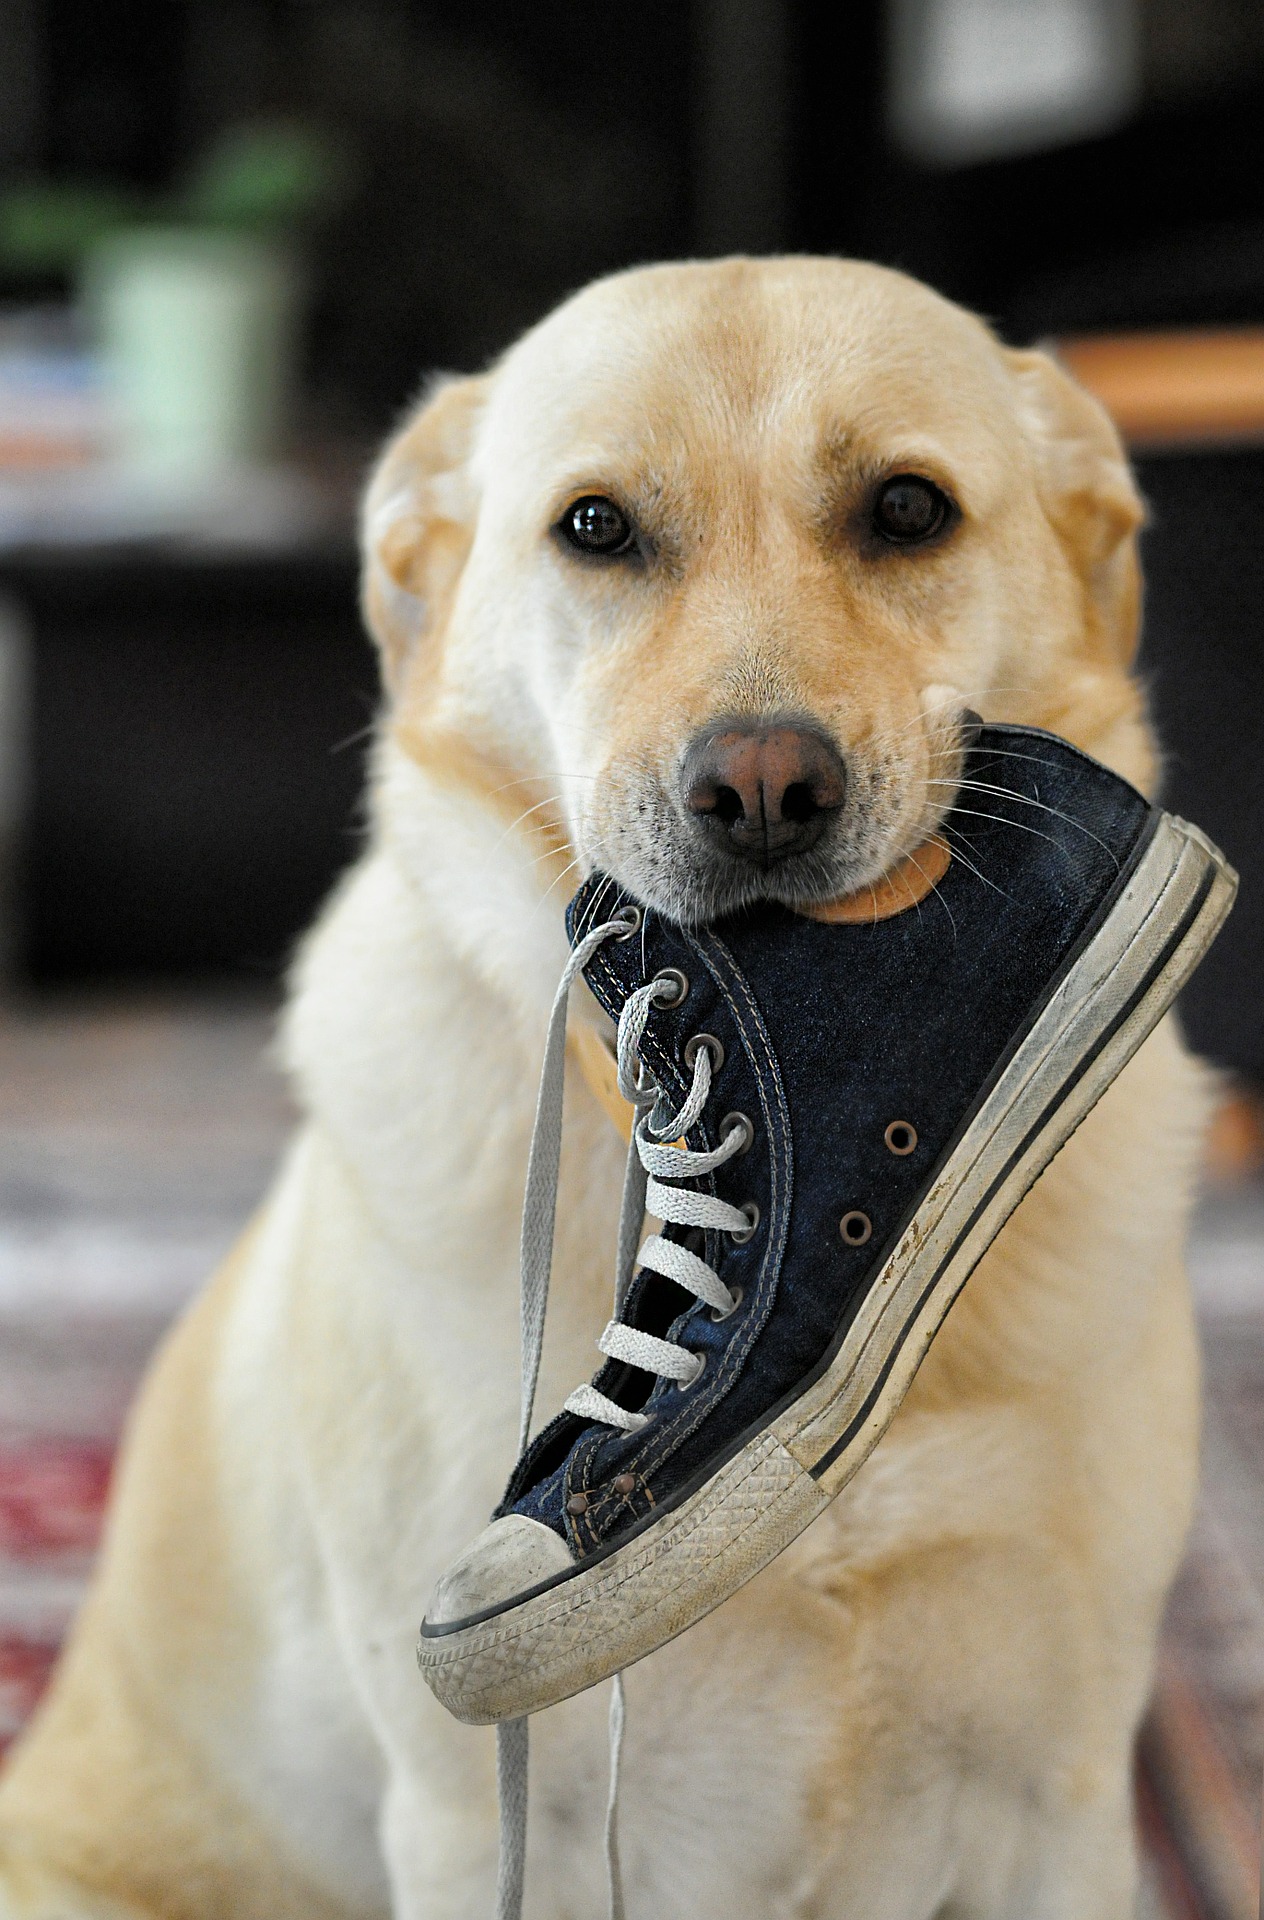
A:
[507,1558]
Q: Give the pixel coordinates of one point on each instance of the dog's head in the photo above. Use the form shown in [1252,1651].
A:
[699,581]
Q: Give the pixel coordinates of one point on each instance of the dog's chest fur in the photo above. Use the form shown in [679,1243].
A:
[1062,1388]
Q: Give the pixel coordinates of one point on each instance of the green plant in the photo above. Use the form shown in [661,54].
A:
[271,177]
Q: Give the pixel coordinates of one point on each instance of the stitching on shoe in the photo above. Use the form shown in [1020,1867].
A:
[670,1434]
[756,1044]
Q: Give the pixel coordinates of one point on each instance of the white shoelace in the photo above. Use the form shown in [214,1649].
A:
[653,1158]
[661,1162]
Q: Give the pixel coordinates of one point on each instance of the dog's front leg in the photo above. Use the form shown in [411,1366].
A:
[1079,1862]
[438,1834]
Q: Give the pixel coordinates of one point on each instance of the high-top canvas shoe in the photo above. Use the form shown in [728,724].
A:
[843,1117]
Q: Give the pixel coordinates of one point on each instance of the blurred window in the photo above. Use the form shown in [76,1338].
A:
[978,79]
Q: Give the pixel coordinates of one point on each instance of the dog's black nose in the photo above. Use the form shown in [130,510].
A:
[765,790]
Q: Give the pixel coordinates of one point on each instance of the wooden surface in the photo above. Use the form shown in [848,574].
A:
[1175,389]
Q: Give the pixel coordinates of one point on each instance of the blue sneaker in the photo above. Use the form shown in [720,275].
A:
[835,1120]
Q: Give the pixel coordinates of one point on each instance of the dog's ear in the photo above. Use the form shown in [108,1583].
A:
[418,521]
[1089,496]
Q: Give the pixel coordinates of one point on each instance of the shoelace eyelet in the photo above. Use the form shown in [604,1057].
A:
[901,1137]
[631,917]
[740,1235]
[747,1125]
[713,1046]
[700,1367]
[855,1227]
[739,1294]
[671,988]
[666,1160]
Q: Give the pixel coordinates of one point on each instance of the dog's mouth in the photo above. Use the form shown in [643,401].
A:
[768,811]
[822,883]
[868,859]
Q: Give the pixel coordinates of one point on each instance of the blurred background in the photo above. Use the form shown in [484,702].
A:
[235,235]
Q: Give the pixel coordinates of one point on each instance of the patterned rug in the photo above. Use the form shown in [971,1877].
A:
[134,1140]
[51,1497]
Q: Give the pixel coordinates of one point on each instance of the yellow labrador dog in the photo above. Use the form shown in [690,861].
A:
[923,1710]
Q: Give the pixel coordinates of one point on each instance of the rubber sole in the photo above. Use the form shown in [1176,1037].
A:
[612,1611]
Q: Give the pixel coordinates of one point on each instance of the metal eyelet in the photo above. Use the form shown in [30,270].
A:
[747,1125]
[700,1367]
[740,1235]
[855,1227]
[728,1312]
[709,1041]
[901,1137]
[631,918]
[670,988]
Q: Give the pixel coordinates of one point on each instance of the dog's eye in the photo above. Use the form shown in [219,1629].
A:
[595,525]
[908,509]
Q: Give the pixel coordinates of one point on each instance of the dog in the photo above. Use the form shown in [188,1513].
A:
[924,1709]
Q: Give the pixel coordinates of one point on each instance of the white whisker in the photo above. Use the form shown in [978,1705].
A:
[955,853]
[1008,793]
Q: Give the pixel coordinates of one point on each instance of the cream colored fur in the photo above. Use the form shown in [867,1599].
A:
[924,1710]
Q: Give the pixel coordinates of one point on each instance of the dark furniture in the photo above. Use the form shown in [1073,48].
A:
[1203,655]
[197,732]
